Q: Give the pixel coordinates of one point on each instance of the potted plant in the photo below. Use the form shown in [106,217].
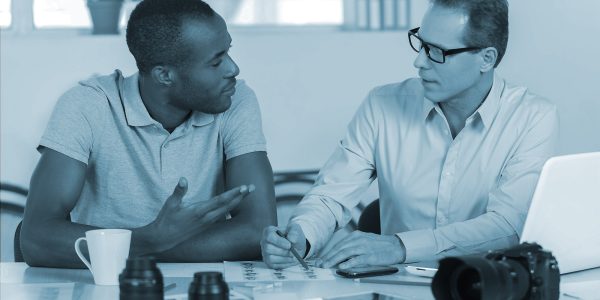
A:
[105,15]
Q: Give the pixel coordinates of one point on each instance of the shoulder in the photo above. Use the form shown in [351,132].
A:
[526,103]
[400,95]
[86,97]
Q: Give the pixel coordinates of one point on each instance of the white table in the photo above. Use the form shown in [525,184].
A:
[19,281]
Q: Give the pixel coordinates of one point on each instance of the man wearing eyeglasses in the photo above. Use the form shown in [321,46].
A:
[456,152]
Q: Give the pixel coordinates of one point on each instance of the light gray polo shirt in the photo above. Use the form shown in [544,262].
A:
[133,162]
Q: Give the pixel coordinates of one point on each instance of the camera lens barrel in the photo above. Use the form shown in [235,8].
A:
[141,279]
[208,286]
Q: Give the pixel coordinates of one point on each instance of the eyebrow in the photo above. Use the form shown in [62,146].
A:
[221,53]
[433,44]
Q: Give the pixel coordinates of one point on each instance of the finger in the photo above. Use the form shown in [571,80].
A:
[278,241]
[178,193]
[216,207]
[271,249]
[233,193]
[343,254]
[350,240]
[357,261]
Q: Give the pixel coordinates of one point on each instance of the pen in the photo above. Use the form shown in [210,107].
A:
[294,252]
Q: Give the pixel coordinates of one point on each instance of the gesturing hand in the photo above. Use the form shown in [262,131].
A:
[176,223]
[361,249]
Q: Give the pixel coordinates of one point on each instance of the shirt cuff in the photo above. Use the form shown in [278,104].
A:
[310,236]
[419,244]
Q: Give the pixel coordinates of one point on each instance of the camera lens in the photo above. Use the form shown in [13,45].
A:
[208,286]
[141,279]
[476,278]
[465,283]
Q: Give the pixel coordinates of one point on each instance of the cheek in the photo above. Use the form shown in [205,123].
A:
[459,77]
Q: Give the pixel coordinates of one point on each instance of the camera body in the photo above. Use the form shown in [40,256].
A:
[525,271]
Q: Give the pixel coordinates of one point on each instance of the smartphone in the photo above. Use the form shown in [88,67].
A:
[366,271]
[421,271]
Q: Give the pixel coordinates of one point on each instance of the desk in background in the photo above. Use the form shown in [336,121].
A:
[19,281]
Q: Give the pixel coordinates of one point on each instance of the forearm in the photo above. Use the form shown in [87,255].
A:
[477,235]
[50,243]
[234,239]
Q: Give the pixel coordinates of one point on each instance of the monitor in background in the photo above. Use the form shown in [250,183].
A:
[563,216]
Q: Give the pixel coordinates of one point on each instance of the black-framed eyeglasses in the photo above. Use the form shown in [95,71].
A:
[434,53]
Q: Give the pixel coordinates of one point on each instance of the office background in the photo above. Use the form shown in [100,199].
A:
[310,81]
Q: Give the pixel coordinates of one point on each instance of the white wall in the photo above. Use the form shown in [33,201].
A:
[310,82]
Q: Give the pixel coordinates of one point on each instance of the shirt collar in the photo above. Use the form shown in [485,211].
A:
[136,112]
[428,106]
[488,109]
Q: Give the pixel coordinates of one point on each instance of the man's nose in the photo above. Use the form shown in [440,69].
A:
[233,70]
[421,61]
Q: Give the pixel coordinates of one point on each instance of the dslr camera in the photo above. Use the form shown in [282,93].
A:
[525,271]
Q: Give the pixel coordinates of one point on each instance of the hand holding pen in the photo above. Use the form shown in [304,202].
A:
[294,252]
[281,249]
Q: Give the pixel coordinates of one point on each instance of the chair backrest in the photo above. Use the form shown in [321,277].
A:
[290,188]
[369,220]
[12,214]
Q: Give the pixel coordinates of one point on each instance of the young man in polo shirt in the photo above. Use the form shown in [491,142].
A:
[154,152]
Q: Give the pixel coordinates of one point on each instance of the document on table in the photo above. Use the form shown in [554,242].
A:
[255,271]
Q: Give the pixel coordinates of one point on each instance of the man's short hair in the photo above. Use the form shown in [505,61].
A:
[154,31]
[488,23]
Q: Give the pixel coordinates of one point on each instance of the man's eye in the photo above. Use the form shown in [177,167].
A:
[217,63]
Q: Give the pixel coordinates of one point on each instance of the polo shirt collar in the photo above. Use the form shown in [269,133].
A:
[136,112]
[200,119]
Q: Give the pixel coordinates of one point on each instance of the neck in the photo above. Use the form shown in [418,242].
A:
[459,108]
[156,101]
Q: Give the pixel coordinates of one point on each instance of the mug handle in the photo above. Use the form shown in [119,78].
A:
[85,261]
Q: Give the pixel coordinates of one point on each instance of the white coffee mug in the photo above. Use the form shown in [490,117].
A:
[109,249]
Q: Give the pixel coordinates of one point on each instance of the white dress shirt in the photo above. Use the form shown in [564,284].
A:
[441,196]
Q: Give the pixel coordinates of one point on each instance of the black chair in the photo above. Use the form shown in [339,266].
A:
[14,210]
[370,220]
[290,188]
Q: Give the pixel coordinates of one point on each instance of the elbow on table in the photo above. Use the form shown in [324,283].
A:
[32,247]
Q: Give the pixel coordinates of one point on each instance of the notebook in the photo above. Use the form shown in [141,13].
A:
[564,216]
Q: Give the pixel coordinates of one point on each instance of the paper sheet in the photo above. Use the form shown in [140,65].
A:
[253,271]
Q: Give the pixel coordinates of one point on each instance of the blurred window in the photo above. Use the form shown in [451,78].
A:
[5,15]
[74,13]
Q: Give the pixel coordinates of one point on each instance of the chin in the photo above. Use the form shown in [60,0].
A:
[433,96]
[222,106]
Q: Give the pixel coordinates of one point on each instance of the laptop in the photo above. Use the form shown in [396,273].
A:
[564,214]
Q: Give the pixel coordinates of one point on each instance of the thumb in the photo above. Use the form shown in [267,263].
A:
[179,192]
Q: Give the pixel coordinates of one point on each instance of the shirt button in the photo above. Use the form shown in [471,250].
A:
[166,146]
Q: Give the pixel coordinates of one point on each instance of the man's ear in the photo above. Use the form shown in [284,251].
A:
[489,56]
[162,75]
